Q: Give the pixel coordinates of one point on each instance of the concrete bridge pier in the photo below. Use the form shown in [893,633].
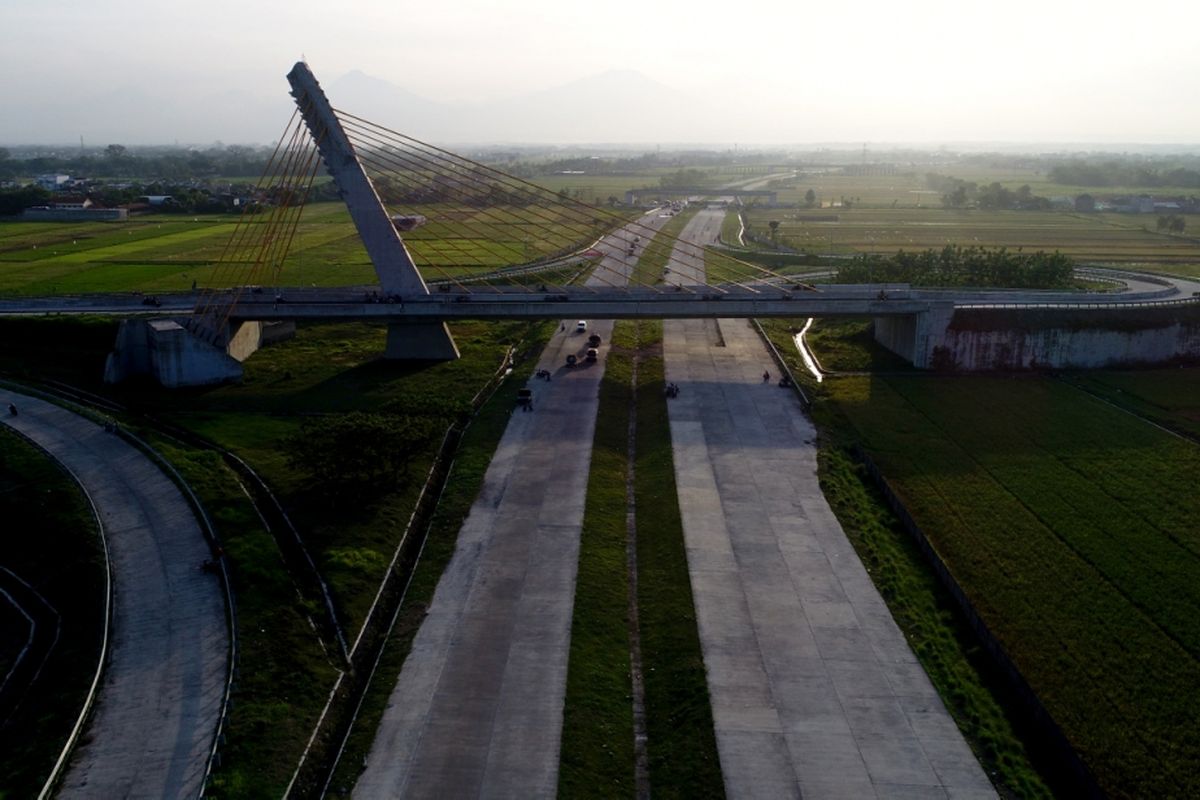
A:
[420,341]
[916,337]
[167,351]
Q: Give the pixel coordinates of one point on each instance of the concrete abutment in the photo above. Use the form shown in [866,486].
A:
[986,339]
[171,354]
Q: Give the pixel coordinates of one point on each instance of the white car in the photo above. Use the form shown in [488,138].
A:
[581,326]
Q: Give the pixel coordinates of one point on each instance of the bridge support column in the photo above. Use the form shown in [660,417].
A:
[916,337]
[420,341]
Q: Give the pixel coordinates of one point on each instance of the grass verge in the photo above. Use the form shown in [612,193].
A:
[284,670]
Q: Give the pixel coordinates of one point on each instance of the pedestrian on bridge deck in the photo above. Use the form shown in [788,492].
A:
[766,376]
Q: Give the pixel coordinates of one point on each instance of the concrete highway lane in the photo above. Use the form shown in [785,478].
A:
[477,710]
[815,691]
[160,698]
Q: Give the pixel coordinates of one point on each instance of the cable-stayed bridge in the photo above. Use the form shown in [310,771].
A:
[488,244]
[451,238]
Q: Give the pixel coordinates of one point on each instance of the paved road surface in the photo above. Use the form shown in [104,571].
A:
[477,710]
[160,698]
[815,691]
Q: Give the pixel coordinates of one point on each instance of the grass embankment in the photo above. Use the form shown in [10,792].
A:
[50,541]
[285,670]
[925,612]
[731,226]
[471,461]
[597,749]
[329,370]
[326,369]
[845,345]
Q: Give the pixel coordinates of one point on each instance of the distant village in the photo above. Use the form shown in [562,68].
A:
[69,199]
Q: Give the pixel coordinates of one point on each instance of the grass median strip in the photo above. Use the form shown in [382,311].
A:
[597,748]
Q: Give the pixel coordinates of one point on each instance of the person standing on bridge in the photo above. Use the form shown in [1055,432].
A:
[766,376]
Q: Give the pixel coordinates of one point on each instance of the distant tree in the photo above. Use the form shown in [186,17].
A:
[115,151]
[14,201]
[956,198]
[1085,204]
[4,153]
[774,226]
[995,196]
[810,198]
[1163,223]
[1177,224]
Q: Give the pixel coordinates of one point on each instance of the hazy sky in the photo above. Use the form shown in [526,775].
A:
[902,70]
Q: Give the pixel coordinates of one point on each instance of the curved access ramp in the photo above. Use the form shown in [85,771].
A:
[160,699]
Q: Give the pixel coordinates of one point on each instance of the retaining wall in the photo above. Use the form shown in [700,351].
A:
[983,339]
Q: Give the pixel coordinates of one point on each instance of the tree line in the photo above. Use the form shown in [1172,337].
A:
[119,161]
[962,266]
[1120,173]
[958,193]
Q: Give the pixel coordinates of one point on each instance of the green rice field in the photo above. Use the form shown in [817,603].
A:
[1129,240]
[168,253]
[1071,525]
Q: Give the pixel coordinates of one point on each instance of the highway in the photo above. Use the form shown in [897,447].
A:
[160,698]
[477,709]
[815,691]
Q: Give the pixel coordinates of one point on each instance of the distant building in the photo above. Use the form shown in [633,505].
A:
[1134,205]
[52,183]
[72,208]
[71,201]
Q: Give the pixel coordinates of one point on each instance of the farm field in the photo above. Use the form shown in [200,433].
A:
[1070,525]
[1127,240]
[1168,397]
[167,253]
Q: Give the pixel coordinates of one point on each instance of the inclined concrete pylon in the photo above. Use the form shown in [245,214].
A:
[398,276]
